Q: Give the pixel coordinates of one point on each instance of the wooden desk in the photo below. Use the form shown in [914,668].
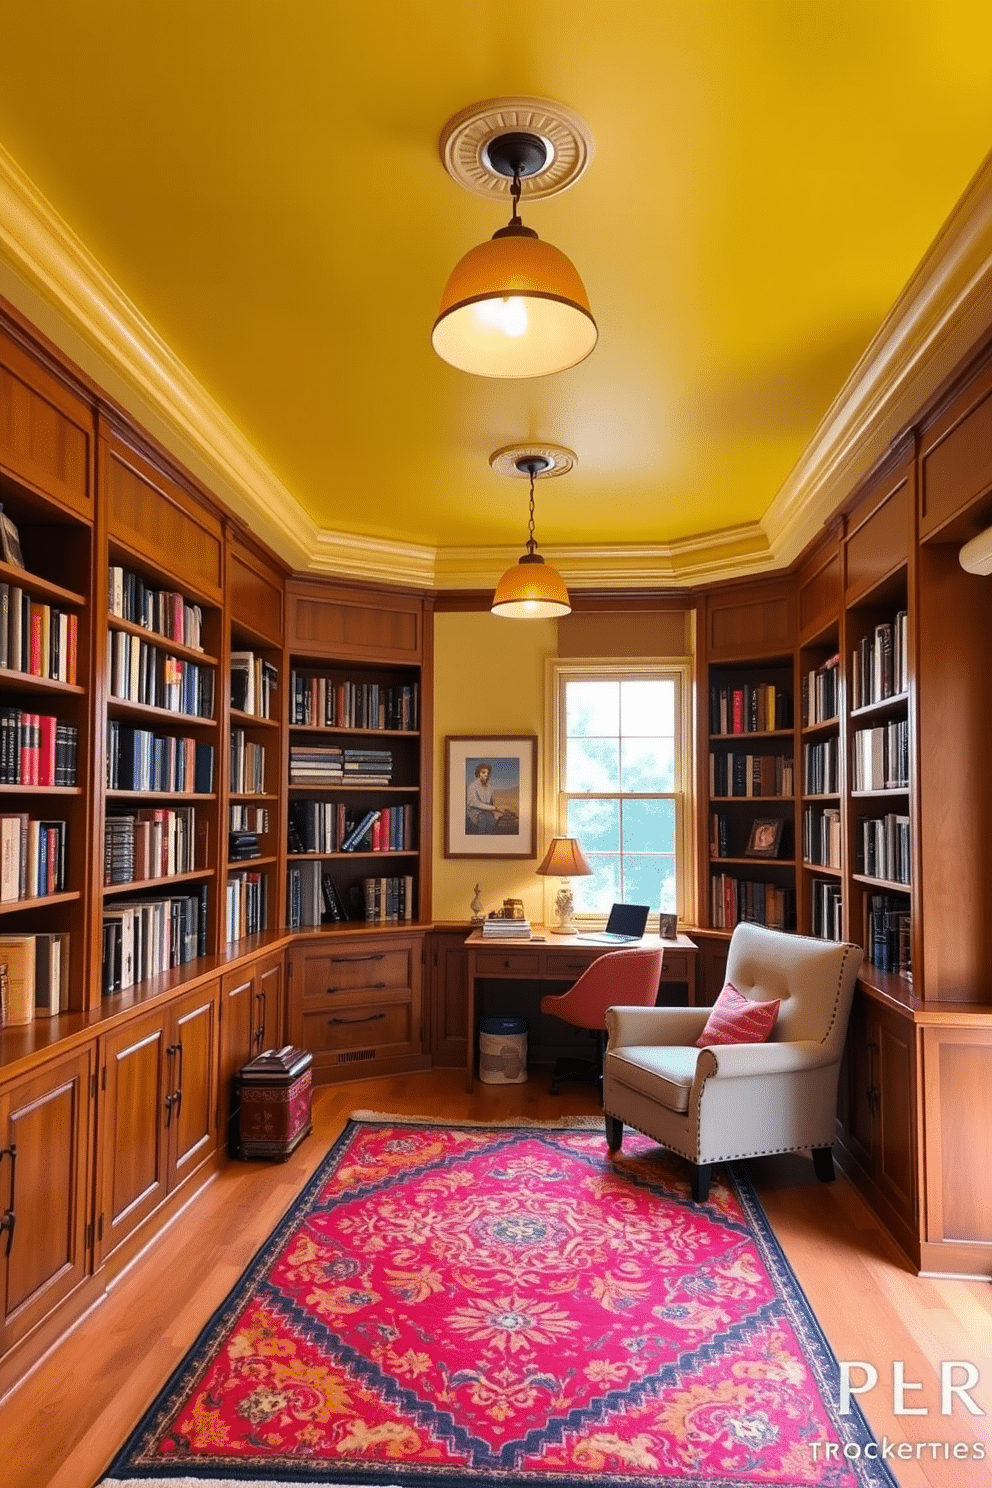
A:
[546,957]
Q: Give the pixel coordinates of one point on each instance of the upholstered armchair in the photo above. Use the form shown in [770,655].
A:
[738,1100]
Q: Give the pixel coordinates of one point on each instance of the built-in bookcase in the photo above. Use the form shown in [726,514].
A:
[161,645]
[355,833]
[254,826]
[821,895]
[353,825]
[751,790]
[878,769]
[162,782]
[45,758]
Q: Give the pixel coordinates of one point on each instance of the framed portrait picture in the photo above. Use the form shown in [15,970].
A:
[668,926]
[490,796]
[10,542]
[766,834]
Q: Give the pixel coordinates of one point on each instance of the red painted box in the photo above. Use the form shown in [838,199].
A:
[273,1093]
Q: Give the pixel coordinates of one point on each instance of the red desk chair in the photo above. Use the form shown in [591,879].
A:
[627,978]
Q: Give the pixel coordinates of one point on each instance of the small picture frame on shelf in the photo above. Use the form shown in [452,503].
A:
[668,926]
[10,542]
[766,834]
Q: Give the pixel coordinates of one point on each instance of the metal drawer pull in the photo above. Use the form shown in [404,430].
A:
[373,956]
[332,990]
[351,1022]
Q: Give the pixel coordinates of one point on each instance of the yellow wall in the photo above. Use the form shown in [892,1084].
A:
[488,679]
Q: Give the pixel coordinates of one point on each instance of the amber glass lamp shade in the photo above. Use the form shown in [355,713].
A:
[531,590]
[514,307]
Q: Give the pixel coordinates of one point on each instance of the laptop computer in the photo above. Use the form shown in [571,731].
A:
[626,923]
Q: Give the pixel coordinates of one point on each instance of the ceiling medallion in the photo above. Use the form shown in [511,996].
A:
[465,140]
[512,460]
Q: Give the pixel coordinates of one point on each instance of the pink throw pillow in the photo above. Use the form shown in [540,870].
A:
[735,1019]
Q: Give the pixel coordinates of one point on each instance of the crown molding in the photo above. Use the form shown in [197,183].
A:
[940,316]
[934,325]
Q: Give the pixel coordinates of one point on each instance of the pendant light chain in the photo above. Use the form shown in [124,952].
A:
[531,541]
[515,195]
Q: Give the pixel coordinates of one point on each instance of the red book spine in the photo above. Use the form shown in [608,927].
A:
[34,664]
[46,751]
[737,714]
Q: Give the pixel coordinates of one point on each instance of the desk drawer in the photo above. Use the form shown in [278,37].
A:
[498,963]
[675,967]
[566,966]
[371,1024]
[331,973]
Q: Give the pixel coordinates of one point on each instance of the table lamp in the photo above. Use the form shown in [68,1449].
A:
[564,859]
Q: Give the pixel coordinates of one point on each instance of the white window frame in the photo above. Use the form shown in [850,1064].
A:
[610,669]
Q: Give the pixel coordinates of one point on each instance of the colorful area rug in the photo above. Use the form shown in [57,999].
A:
[457,1305]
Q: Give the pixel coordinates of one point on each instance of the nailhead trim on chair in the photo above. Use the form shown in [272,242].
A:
[840,979]
[731,1157]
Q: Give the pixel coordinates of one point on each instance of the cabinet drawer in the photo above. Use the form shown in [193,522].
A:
[358,1025]
[498,963]
[675,967]
[336,972]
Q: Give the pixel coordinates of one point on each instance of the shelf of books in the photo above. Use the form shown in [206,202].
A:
[751,791]
[45,683]
[878,751]
[353,817]
[253,869]
[820,884]
[161,786]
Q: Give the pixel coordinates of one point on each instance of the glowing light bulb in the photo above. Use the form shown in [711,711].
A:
[507,315]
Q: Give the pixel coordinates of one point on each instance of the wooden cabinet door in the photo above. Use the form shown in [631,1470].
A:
[238,992]
[270,1000]
[46,1122]
[191,1118]
[448,1000]
[895,1137]
[859,1091]
[134,1168]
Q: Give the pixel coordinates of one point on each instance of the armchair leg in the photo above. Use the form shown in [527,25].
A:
[614,1134]
[823,1164]
[701,1182]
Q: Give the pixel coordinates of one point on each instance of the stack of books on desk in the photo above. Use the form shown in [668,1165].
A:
[506,929]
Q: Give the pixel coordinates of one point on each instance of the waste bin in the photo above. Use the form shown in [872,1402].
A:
[503,1051]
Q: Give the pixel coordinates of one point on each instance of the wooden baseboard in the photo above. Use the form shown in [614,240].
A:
[971,1259]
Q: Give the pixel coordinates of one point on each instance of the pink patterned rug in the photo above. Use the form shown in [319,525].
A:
[465,1305]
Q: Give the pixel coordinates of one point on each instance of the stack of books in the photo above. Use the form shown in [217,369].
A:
[500,929]
[243,845]
[315,764]
[367,766]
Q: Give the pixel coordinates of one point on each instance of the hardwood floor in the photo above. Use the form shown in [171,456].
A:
[61,1426]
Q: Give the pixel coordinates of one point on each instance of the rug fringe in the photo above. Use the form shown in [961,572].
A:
[221,1483]
[553,1123]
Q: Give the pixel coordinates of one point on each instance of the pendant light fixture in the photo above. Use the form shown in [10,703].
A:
[532,589]
[514,306]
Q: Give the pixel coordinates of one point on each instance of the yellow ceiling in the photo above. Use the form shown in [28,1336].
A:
[262,181]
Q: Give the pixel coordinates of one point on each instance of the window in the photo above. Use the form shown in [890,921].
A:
[622,773]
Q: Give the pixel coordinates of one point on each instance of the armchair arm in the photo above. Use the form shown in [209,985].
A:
[654,1025]
[737,1061]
